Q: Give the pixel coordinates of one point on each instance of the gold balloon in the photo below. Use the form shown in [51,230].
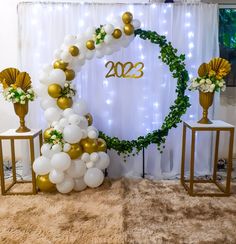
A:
[64,102]
[117,33]
[90,44]
[54,90]
[46,134]
[102,145]
[70,74]
[75,151]
[89,145]
[74,51]
[44,184]
[60,64]
[89,118]
[128,29]
[127,17]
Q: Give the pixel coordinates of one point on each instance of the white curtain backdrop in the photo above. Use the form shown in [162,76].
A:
[127,108]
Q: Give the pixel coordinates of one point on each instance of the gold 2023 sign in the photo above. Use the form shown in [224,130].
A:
[124,70]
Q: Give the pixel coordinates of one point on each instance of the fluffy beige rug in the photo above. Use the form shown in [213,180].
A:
[121,211]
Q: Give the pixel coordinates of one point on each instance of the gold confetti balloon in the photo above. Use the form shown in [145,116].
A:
[60,64]
[127,17]
[70,74]
[90,44]
[75,151]
[54,90]
[89,145]
[89,118]
[44,184]
[117,33]
[47,134]
[128,29]
[102,145]
[64,102]
[74,51]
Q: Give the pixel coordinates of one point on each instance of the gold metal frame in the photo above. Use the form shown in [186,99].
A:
[4,190]
[224,191]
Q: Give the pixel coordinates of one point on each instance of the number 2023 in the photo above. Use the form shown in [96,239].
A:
[121,70]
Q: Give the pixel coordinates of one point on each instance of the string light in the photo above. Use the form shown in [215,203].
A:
[190,34]
[191,45]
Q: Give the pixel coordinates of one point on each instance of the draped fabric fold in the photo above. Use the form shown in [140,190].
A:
[127,108]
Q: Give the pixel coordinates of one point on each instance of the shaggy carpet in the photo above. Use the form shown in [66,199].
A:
[121,211]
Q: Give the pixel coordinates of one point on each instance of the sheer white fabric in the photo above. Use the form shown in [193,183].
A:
[127,108]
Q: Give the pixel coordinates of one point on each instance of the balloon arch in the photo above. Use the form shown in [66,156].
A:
[74,152]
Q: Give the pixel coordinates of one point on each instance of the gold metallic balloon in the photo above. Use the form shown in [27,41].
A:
[128,29]
[44,184]
[102,145]
[46,134]
[89,145]
[75,151]
[117,33]
[70,74]
[90,44]
[89,118]
[74,51]
[60,64]
[64,102]
[127,17]
[54,90]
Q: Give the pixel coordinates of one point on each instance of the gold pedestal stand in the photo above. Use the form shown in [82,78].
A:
[216,126]
[12,136]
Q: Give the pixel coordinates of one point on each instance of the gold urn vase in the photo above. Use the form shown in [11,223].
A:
[205,100]
[21,111]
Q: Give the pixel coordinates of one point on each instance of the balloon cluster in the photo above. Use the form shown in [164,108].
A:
[73,157]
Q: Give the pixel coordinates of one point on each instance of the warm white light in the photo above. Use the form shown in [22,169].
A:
[153,5]
[109,122]
[164,11]
[142,57]
[191,45]
[190,76]
[190,34]
[140,47]
[191,116]
[190,55]
[108,101]
[105,83]
[166,33]
[156,104]
[188,15]
[187,24]
[164,21]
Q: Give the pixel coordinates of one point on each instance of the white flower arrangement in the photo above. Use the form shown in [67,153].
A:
[17,95]
[68,90]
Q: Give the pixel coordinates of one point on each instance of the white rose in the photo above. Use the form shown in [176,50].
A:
[221,84]
[202,81]
[208,81]
[22,102]
[195,84]
[223,88]
[53,137]
[22,97]
[212,87]
[17,100]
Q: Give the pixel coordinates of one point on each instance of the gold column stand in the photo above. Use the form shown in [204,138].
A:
[12,136]
[217,126]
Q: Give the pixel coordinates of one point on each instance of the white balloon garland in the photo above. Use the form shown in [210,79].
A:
[68,124]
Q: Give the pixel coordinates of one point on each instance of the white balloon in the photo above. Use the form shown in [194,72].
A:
[136,23]
[57,76]
[109,29]
[90,55]
[66,147]
[47,103]
[51,114]
[77,169]
[94,157]
[57,54]
[85,157]
[83,123]
[66,185]
[79,184]
[72,134]
[56,177]
[54,123]
[41,90]
[58,128]
[47,68]
[90,164]
[61,161]
[67,112]
[108,39]
[43,77]
[108,50]
[70,40]
[103,161]
[66,56]
[74,119]
[84,134]
[91,127]
[90,31]
[46,150]
[92,134]
[56,148]
[93,177]
[41,165]
[80,107]
[99,54]
[63,122]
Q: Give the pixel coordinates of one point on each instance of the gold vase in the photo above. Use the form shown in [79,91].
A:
[205,100]
[21,111]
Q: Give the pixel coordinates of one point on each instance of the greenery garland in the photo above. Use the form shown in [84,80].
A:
[177,68]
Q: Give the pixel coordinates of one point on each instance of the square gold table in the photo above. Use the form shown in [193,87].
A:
[216,126]
[12,135]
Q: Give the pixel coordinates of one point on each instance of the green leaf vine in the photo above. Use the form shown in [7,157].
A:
[168,55]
